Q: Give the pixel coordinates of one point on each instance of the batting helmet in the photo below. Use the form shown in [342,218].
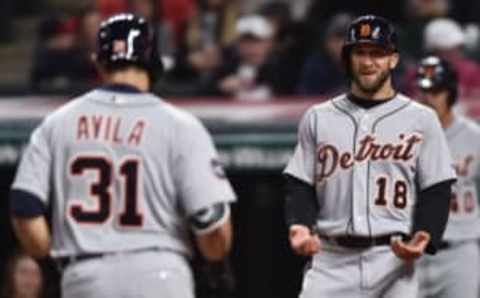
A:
[125,40]
[434,74]
[369,29]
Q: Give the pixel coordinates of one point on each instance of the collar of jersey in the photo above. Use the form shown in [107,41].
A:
[455,127]
[367,103]
[121,88]
[387,107]
[109,96]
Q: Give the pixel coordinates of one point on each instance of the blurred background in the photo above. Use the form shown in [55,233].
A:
[248,69]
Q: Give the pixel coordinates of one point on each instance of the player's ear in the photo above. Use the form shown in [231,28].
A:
[394,59]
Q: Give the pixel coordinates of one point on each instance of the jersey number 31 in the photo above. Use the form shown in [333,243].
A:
[100,191]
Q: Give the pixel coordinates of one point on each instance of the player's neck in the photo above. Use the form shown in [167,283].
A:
[447,119]
[131,76]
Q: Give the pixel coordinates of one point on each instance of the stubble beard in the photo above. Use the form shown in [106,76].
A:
[375,86]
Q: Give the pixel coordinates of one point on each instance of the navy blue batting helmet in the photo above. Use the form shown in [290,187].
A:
[125,40]
[369,29]
[436,74]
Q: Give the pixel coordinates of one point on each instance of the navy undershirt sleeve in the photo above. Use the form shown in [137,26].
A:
[25,204]
[431,212]
[301,206]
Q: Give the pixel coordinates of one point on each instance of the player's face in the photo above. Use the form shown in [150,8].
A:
[371,66]
[437,100]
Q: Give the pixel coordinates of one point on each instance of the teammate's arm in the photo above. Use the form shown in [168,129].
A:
[213,230]
[29,223]
[203,190]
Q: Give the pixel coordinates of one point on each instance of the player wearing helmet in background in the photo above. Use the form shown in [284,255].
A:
[453,272]
[369,184]
[127,177]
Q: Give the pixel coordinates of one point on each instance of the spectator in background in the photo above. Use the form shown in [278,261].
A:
[23,278]
[445,38]
[248,72]
[212,24]
[172,16]
[291,45]
[298,8]
[200,53]
[62,59]
[108,8]
[418,14]
[323,72]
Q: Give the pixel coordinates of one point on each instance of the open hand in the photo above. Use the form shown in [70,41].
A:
[413,249]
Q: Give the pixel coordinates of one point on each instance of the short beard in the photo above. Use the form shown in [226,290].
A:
[384,76]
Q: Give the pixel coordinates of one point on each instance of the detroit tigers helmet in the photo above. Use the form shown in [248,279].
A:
[435,73]
[125,39]
[369,29]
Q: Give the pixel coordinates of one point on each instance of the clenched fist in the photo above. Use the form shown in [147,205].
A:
[303,242]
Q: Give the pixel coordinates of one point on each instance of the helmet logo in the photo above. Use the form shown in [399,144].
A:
[119,47]
[376,33]
[428,71]
[365,30]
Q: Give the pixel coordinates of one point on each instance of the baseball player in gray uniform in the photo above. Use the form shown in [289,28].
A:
[453,272]
[369,184]
[127,177]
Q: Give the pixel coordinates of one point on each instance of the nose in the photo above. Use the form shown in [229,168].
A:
[366,59]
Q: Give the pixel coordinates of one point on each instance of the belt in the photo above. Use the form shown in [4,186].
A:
[352,241]
[63,262]
[444,245]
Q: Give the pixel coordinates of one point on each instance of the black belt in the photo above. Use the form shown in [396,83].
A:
[63,262]
[444,245]
[352,241]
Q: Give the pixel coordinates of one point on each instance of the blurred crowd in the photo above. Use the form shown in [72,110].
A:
[255,50]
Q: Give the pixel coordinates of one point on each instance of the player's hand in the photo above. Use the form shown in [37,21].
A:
[303,242]
[413,249]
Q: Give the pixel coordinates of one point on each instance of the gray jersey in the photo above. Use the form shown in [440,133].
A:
[463,138]
[367,164]
[122,172]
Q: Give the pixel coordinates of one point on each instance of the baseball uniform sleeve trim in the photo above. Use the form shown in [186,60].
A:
[431,212]
[25,204]
[301,205]
[208,219]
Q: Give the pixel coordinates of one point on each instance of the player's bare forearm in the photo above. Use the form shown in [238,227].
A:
[33,234]
[216,244]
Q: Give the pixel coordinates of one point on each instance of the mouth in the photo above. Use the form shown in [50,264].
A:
[368,73]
